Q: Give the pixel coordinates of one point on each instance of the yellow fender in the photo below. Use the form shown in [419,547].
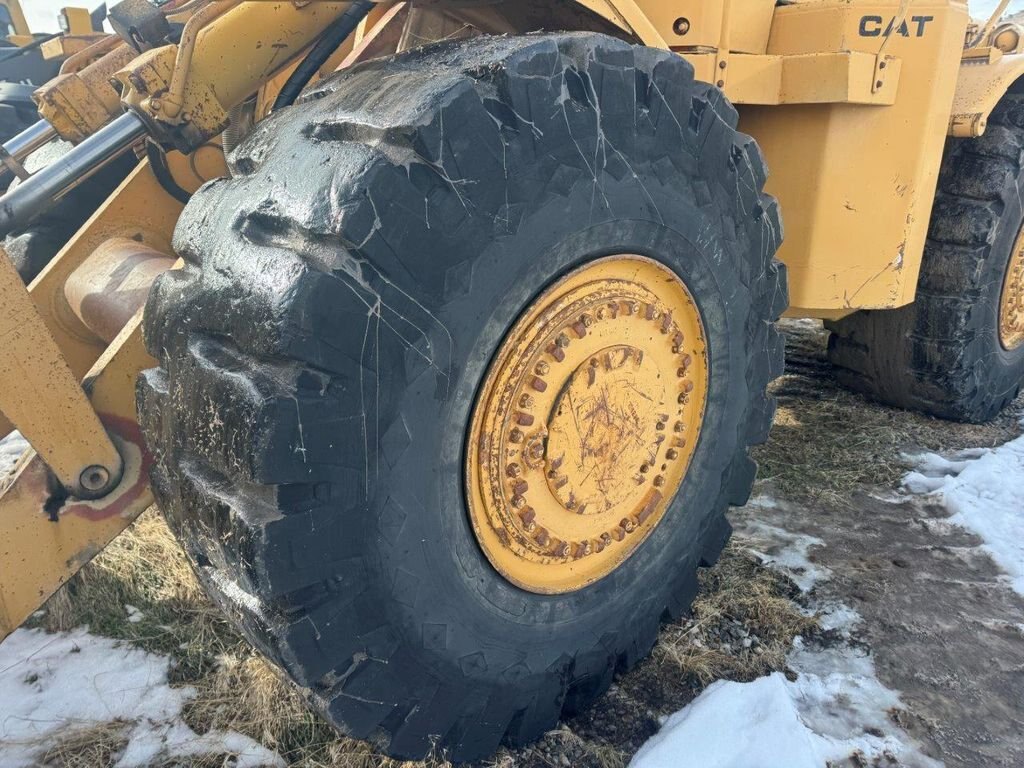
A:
[984,79]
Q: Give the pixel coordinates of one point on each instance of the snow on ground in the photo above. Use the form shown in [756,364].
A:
[835,708]
[785,551]
[54,684]
[984,491]
[11,449]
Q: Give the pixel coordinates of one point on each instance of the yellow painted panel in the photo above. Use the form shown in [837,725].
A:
[856,182]
[980,85]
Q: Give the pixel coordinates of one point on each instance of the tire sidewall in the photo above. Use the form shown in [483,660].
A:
[463,586]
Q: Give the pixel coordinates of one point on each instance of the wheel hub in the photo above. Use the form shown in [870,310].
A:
[586,424]
[1011,307]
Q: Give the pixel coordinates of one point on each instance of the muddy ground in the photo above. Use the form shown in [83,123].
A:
[942,628]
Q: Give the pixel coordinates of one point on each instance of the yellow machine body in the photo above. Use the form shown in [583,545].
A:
[850,100]
[12,21]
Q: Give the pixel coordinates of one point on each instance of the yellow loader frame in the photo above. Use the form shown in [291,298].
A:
[851,103]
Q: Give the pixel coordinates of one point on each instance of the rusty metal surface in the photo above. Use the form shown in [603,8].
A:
[112,285]
[44,400]
[246,45]
[1011,305]
[78,103]
[586,424]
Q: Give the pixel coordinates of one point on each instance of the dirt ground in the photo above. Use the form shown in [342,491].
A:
[942,629]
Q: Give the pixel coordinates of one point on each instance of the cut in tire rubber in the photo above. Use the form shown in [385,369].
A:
[322,349]
[944,354]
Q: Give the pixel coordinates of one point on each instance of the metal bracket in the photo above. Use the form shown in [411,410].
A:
[724,41]
[42,398]
[881,60]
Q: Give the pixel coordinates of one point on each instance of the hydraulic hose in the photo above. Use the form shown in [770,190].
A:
[334,36]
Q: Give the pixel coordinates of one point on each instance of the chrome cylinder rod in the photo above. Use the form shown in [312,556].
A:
[42,189]
[29,140]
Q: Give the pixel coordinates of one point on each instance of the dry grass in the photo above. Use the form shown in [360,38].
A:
[737,592]
[828,441]
[97,746]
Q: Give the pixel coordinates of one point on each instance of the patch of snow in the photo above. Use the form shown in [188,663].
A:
[984,491]
[54,685]
[134,614]
[788,552]
[839,617]
[835,708]
[11,449]
[763,501]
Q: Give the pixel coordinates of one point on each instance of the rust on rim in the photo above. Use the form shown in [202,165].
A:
[586,424]
[1011,307]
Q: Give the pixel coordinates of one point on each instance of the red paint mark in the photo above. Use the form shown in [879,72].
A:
[138,462]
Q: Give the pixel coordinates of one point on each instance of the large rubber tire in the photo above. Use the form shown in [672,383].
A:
[340,304]
[942,355]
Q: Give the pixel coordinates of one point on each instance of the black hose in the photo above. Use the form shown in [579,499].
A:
[334,36]
[162,172]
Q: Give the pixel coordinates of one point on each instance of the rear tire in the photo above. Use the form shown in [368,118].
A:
[341,302]
[943,354]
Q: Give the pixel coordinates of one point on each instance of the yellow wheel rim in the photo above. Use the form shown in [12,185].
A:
[586,424]
[1011,307]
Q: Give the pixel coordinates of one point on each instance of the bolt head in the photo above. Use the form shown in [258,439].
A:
[94,478]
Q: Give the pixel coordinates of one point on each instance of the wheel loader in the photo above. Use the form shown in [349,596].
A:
[440,330]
